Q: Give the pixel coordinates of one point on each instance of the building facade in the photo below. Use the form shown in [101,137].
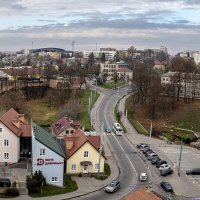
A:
[47,156]
[109,55]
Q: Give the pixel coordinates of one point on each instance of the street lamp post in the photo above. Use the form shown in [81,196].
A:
[179,164]
[101,147]
[150,132]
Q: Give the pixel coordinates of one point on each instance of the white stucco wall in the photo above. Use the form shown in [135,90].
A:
[53,165]
[13,147]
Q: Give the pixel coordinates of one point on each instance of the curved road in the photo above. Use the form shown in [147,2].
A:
[128,160]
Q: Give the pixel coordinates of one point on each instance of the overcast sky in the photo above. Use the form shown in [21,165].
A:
[109,23]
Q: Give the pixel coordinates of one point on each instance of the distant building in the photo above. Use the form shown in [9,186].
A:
[125,73]
[159,65]
[195,55]
[110,68]
[109,55]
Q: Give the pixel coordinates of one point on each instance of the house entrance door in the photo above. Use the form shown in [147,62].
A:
[85,168]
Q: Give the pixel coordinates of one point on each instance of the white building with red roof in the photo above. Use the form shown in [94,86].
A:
[15,137]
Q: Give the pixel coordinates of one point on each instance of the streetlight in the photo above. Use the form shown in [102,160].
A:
[101,146]
[150,132]
[179,164]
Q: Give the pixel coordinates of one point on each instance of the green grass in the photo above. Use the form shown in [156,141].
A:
[49,190]
[107,172]
[140,129]
[41,112]
[84,115]
[171,133]
[111,85]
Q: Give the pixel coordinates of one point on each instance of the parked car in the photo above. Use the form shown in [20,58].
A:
[143,146]
[140,144]
[155,160]
[113,186]
[5,182]
[160,162]
[143,177]
[148,152]
[166,186]
[151,156]
[166,172]
[164,166]
[195,171]
[108,130]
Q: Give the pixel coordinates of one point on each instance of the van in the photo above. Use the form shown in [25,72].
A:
[5,182]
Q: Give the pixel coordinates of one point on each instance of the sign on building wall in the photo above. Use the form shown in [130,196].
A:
[48,161]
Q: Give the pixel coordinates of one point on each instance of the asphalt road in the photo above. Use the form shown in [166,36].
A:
[129,163]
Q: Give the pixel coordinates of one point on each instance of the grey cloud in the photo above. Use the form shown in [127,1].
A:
[11,4]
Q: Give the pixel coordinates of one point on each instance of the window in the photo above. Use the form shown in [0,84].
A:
[96,167]
[0,130]
[6,156]
[85,153]
[67,131]
[5,143]
[73,167]
[72,131]
[54,179]
[42,152]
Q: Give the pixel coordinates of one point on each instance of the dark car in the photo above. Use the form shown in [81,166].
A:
[146,149]
[113,186]
[160,162]
[155,160]
[166,172]
[195,171]
[166,186]
[5,182]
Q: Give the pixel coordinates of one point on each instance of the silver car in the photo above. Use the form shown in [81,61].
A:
[113,186]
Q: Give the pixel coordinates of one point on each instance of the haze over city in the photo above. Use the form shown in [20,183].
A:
[118,24]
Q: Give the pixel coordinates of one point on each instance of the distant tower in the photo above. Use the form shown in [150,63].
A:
[96,46]
[73,42]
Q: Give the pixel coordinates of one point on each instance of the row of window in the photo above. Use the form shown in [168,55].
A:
[73,167]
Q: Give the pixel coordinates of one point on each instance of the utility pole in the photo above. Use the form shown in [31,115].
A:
[95,87]
[89,105]
[101,147]
[150,132]
[73,43]
[179,164]
[126,117]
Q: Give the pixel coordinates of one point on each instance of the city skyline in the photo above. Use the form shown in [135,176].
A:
[118,24]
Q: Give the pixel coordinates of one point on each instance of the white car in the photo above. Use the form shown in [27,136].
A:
[164,167]
[143,177]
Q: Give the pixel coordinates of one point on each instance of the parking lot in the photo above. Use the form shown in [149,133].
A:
[190,159]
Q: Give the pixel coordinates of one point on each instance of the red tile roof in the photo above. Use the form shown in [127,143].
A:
[142,194]
[63,124]
[22,127]
[79,139]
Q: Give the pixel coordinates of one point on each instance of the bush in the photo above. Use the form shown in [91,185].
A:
[33,185]
[12,192]
[40,178]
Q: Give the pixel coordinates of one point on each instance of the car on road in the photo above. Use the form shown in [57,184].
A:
[113,186]
[143,177]
[194,171]
[5,182]
[146,150]
[160,162]
[166,186]
[164,166]
[108,130]
[155,160]
[166,172]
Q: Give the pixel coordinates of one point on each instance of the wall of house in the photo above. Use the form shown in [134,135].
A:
[51,164]
[13,147]
[78,157]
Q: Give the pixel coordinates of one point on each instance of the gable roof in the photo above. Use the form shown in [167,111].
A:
[47,139]
[16,123]
[142,194]
[79,139]
[63,124]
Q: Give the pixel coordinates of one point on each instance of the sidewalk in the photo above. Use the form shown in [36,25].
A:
[181,183]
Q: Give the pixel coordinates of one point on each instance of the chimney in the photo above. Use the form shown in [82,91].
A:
[69,144]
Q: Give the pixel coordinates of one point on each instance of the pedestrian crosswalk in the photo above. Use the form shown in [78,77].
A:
[109,134]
